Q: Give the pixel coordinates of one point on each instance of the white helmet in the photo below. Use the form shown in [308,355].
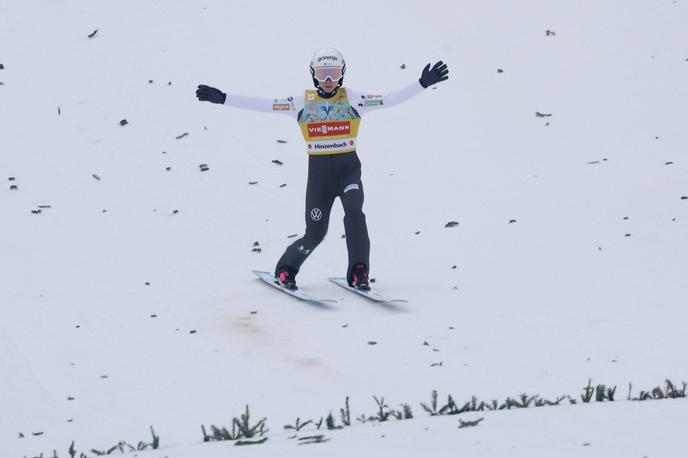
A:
[328,63]
[328,57]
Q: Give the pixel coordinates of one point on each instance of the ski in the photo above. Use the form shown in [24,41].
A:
[269,278]
[370,295]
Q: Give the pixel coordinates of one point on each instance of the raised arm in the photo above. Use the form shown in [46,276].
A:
[365,102]
[289,105]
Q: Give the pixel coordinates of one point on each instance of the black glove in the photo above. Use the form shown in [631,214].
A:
[434,75]
[210,94]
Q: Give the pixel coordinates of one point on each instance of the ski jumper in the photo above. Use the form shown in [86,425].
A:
[330,128]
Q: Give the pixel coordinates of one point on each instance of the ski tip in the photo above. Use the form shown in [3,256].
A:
[264,275]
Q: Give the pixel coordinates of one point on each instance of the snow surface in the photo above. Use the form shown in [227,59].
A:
[539,305]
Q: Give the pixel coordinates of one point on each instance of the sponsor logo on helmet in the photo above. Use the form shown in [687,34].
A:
[281,106]
[329,129]
[328,58]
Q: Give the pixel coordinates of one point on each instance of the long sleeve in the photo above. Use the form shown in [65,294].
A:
[365,102]
[289,106]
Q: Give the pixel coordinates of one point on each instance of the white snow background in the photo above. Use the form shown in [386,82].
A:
[587,282]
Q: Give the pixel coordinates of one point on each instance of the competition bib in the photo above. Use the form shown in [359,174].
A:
[329,126]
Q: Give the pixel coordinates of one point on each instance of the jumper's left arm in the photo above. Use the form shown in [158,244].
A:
[365,102]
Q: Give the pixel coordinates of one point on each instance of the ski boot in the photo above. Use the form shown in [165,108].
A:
[358,278]
[285,276]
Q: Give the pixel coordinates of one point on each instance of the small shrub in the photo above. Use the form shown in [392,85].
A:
[241,429]
[298,425]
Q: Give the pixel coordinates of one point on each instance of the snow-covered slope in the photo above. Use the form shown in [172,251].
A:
[130,301]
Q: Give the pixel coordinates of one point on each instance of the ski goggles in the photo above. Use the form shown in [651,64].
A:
[322,74]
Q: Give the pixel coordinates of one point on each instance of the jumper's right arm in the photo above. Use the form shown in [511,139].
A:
[289,105]
[286,105]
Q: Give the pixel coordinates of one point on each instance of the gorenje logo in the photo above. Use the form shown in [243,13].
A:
[321,129]
[321,58]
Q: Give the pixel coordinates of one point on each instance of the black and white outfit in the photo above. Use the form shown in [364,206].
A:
[329,121]
[330,126]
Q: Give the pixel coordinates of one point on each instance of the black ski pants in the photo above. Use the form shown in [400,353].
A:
[331,176]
